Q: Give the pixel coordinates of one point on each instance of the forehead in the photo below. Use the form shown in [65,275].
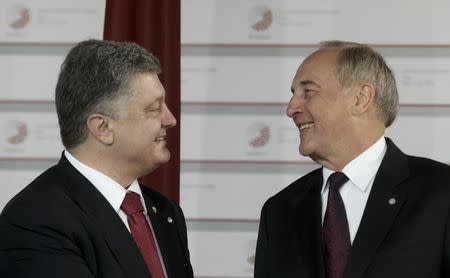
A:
[318,67]
[146,84]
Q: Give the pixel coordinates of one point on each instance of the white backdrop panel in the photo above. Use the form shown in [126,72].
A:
[16,71]
[228,136]
[237,78]
[222,253]
[423,132]
[420,80]
[239,136]
[235,193]
[263,137]
[14,180]
[29,135]
[51,21]
[308,22]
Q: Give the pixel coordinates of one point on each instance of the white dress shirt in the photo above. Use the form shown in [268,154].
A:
[361,172]
[113,192]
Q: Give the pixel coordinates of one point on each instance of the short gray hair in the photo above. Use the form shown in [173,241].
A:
[360,63]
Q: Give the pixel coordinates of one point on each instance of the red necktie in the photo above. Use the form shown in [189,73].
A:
[142,234]
[336,236]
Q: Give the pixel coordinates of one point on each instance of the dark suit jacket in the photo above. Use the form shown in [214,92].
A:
[408,239]
[61,226]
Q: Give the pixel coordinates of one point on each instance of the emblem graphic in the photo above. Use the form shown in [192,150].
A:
[19,17]
[251,260]
[16,132]
[258,135]
[260,18]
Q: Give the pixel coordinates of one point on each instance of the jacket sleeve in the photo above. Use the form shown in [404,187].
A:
[446,260]
[38,251]
[182,231]
[262,255]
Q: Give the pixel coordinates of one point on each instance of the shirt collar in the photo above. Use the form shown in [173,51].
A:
[113,192]
[362,169]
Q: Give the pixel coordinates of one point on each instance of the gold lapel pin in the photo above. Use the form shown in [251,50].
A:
[169,219]
[154,210]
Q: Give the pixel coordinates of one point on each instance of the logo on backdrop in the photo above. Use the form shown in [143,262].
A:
[258,135]
[260,18]
[18,17]
[16,132]
[250,257]
[251,260]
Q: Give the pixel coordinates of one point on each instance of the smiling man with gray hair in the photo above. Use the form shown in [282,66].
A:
[370,211]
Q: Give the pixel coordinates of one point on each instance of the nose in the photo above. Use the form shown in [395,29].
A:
[168,120]
[295,106]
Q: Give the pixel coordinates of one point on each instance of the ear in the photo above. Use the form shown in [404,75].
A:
[364,98]
[99,126]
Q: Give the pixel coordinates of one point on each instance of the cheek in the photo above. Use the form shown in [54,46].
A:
[327,122]
[152,128]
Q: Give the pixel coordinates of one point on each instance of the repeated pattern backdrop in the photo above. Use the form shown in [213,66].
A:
[230,66]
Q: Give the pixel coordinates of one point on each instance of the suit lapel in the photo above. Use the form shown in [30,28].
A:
[166,232]
[159,215]
[380,211]
[105,219]
[308,222]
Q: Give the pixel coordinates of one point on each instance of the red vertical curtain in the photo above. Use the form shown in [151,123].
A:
[154,25]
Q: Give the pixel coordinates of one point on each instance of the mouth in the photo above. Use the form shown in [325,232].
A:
[305,126]
[160,138]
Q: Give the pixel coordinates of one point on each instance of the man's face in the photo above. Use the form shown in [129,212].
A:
[140,130]
[320,107]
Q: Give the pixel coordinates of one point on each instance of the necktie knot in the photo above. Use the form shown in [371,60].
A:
[132,203]
[337,180]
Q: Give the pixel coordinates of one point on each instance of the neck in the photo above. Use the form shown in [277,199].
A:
[349,150]
[99,161]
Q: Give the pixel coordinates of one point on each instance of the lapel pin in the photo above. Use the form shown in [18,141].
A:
[169,219]
[392,201]
[154,210]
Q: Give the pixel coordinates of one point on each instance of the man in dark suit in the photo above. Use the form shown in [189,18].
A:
[87,216]
[371,211]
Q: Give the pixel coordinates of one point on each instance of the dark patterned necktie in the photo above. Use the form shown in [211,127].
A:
[141,233]
[336,236]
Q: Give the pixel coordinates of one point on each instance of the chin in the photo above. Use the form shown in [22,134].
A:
[164,157]
[155,160]
[303,151]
